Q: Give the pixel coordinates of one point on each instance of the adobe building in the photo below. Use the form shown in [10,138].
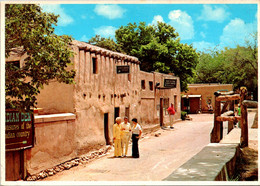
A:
[156,97]
[198,96]
[77,118]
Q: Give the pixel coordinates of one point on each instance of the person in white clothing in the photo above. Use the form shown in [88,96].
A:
[126,133]
[137,132]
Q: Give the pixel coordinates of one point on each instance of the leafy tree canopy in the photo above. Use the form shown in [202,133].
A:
[31,31]
[107,43]
[159,49]
[237,66]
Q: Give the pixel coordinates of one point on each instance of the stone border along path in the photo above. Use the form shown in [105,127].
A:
[87,158]
[75,162]
[69,164]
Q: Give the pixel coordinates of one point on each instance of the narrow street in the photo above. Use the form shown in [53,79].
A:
[159,156]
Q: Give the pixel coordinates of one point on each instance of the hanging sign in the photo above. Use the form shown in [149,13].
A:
[19,130]
[123,69]
[170,83]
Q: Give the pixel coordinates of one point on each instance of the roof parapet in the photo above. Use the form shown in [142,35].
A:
[104,52]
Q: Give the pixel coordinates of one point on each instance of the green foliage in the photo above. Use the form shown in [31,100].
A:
[159,49]
[183,115]
[29,31]
[237,66]
[107,43]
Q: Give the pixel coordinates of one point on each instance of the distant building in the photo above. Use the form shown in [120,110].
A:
[198,96]
[154,93]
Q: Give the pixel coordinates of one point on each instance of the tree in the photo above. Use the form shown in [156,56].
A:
[107,43]
[159,49]
[242,68]
[237,66]
[30,31]
[211,68]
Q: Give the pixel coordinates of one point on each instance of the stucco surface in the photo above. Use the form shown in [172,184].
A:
[54,142]
[207,92]
[56,98]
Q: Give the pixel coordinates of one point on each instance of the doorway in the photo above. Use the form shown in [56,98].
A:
[116,113]
[161,112]
[106,128]
[127,109]
[175,103]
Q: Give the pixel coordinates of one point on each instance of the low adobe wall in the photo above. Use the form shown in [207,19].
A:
[54,142]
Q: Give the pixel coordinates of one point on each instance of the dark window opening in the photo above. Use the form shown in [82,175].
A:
[116,113]
[151,85]
[94,62]
[143,84]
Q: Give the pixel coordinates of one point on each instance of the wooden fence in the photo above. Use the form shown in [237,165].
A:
[224,111]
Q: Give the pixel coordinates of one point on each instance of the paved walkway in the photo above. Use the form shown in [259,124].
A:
[159,156]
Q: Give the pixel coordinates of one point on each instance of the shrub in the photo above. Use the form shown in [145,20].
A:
[183,115]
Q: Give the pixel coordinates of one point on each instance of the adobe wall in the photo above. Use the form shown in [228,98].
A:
[207,92]
[56,98]
[53,98]
[54,142]
[97,94]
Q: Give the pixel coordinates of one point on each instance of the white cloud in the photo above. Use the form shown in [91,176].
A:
[64,19]
[84,38]
[156,19]
[105,31]
[203,34]
[215,13]
[183,24]
[203,46]
[236,31]
[110,11]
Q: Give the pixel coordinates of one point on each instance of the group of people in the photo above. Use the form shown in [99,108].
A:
[122,132]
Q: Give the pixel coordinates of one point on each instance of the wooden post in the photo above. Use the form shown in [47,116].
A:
[244,122]
[231,123]
[216,131]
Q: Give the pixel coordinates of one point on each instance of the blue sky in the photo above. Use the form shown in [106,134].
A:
[203,25]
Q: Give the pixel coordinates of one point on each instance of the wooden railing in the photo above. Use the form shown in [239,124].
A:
[227,113]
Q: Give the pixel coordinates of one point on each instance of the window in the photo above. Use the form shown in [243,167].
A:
[129,77]
[143,84]
[94,62]
[151,85]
